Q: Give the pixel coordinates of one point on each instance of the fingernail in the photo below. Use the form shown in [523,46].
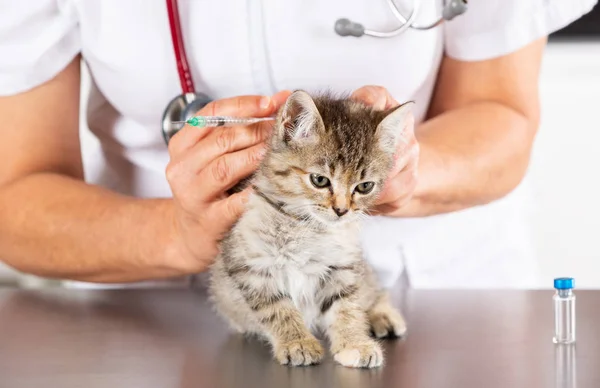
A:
[265,102]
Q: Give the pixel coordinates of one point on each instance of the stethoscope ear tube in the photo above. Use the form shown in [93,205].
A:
[183,66]
[184,106]
[346,27]
[454,8]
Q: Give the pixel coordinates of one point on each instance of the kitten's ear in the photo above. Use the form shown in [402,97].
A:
[299,119]
[398,121]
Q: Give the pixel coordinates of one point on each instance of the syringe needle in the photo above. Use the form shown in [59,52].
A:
[222,121]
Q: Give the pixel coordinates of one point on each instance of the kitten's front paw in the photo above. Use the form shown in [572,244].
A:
[365,355]
[387,323]
[305,351]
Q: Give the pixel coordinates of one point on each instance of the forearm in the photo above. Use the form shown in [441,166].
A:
[469,156]
[58,227]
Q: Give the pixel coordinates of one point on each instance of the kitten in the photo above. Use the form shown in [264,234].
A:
[293,263]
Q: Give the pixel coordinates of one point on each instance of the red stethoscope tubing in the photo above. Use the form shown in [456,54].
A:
[183,66]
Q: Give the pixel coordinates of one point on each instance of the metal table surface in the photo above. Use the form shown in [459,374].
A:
[171,338]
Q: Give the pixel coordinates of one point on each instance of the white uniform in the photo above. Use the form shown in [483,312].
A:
[263,46]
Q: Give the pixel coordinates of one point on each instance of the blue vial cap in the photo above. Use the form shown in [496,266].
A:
[564,283]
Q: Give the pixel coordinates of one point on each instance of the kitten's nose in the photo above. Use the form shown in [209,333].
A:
[339,212]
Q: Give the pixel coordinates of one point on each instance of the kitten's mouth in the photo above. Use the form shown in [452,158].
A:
[319,214]
[331,218]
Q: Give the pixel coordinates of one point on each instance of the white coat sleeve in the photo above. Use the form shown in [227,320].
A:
[38,38]
[492,28]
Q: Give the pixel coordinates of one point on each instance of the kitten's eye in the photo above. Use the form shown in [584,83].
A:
[365,187]
[319,181]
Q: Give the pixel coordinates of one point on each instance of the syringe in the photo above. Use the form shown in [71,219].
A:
[222,121]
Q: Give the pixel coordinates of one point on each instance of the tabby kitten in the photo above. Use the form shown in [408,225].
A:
[293,263]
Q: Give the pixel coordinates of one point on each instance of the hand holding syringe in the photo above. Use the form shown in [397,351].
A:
[222,121]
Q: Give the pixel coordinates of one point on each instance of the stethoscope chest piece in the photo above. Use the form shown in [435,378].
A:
[181,108]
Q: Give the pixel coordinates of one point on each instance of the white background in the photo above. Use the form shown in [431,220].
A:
[564,167]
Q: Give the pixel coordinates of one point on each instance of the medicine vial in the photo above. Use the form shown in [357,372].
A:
[564,311]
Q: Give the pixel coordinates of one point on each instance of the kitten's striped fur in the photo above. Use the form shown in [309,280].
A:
[292,264]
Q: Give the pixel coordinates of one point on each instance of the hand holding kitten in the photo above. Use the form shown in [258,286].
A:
[402,182]
[204,164]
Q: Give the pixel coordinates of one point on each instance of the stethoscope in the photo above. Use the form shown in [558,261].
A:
[452,9]
[185,106]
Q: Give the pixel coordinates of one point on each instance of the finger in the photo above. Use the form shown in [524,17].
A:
[393,204]
[406,151]
[397,179]
[224,172]
[242,106]
[280,98]
[223,141]
[376,96]
[401,184]
[231,208]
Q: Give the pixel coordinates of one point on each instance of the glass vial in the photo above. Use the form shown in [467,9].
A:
[564,311]
[565,363]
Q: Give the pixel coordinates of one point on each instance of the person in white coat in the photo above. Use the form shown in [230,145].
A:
[453,214]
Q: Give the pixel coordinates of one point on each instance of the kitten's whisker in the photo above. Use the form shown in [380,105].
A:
[296,207]
[363,215]
[309,225]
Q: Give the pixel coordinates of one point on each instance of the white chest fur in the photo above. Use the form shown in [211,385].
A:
[298,259]
[303,288]
[304,276]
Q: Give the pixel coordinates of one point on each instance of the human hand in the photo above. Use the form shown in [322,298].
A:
[205,163]
[402,181]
